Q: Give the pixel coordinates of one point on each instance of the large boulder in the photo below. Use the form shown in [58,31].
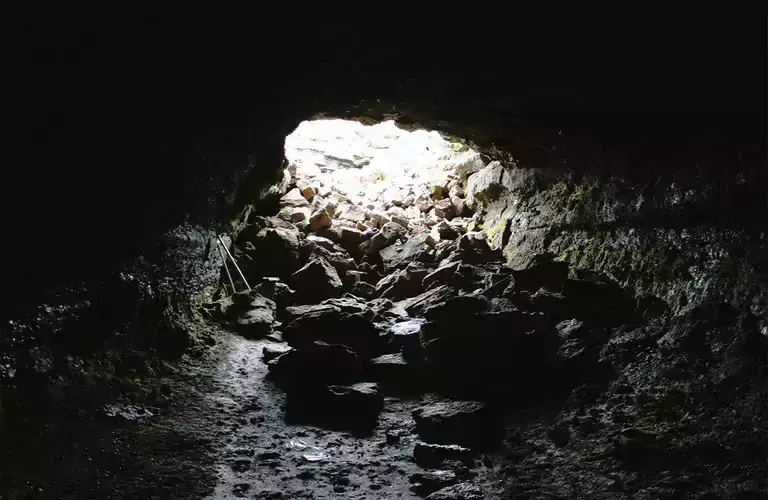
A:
[258,319]
[466,164]
[489,354]
[403,336]
[403,283]
[426,482]
[277,291]
[328,323]
[388,235]
[461,491]
[431,455]
[416,249]
[486,185]
[320,219]
[316,281]
[467,423]
[273,251]
[415,306]
[355,407]
[395,372]
[293,199]
[314,364]
[442,275]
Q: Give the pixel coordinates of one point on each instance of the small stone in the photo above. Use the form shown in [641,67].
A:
[299,214]
[430,481]
[270,352]
[320,220]
[462,491]
[322,242]
[294,198]
[436,192]
[444,208]
[351,236]
[306,189]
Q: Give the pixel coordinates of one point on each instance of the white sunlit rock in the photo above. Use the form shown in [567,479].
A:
[358,174]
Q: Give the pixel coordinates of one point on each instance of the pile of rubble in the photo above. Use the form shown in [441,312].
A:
[402,293]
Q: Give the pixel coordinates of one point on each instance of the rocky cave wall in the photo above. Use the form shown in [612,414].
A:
[612,153]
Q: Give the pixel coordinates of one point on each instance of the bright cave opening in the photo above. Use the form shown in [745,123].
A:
[347,176]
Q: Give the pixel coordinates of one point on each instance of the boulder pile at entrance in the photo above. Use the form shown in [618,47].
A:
[401,293]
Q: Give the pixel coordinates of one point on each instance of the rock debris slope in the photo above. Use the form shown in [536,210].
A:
[556,382]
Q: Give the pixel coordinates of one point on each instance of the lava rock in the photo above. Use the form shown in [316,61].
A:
[354,407]
[388,235]
[320,219]
[444,208]
[405,335]
[257,321]
[364,290]
[322,242]
[293,199]
[456,308]
[432,455]
[416,249]
[443,275]
[331,325]
[393,371]
[351,237]
[352,213]
[277,291]
[316,281]
[486,185]
[429,481]
[316,364]
[415,306]
[402,284]
[272,252]
[461,491]
[349,304]
[542,273]
[466,423]
[445,231]
[270,352]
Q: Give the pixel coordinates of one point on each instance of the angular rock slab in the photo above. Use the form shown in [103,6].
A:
[431,455]
[394,372]
[461,491]
[353,407]
[257,321]
[316,281]
[467,423]
[318,363]
[424,483]
[328,323]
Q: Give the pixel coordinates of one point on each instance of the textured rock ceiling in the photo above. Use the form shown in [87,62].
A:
[128,129]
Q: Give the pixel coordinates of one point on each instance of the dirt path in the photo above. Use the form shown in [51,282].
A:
[220,436]
[257,455]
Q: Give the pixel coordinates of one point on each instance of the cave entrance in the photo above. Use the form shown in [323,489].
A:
[347,175]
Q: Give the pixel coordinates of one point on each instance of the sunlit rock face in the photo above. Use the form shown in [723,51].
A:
[657,236]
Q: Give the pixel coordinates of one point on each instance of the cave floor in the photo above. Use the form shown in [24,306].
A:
[221,435]
[258,455]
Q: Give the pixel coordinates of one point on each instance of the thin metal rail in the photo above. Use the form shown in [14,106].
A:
[226,267]
[235,263]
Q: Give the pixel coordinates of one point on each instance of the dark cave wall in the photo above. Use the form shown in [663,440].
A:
[130,129]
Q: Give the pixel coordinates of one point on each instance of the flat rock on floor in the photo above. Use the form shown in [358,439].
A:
[467,423]
[461,491]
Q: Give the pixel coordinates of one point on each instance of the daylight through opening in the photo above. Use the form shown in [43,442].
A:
[352,177]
